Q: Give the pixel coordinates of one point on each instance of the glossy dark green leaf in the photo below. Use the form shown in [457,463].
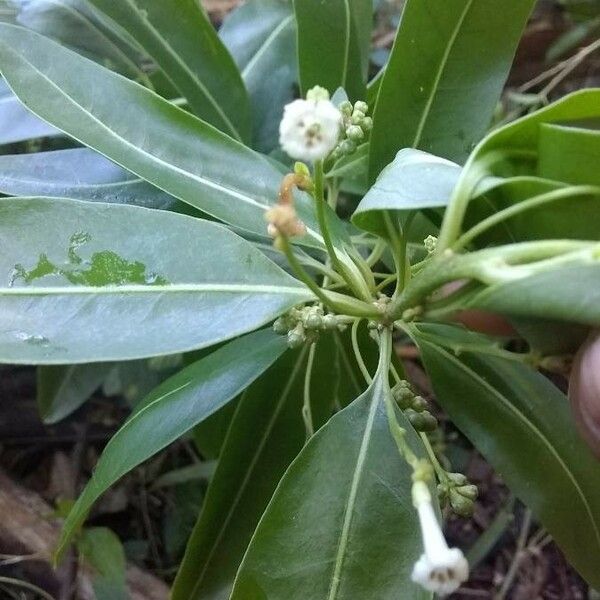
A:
[78,173]
[17,124]
[149,136]
[102,551]
[412,181]
[521,423]
[179,37]
[444,77]
[566,293]
[88,282]
[266,434]
[261,36]
[172,409]
[73,24]
[63,389]
[333,44]
[341,523]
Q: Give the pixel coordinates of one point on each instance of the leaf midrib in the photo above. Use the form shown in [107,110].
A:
[155,33]
[263,48]
[151,289]
[530,425]
[351,502]
[439,73]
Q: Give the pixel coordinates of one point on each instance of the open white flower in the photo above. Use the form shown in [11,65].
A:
[310,129]
[440,569]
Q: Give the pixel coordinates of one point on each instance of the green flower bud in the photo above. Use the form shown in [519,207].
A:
[415,418]
[367,124]
[330,321]
[280,326]
[357,117]
[348,147]
[345,108]
[296,337]
[429,422]
[313,321]
[469,491]
[460,505]
[355,133]
[361,106]
[457,478]
[419,403]
[317,93]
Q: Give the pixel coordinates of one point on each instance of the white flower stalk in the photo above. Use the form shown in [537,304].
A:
[440,569]
[310,129]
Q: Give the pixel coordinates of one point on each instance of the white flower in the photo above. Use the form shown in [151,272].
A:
[440,569]
[310,129]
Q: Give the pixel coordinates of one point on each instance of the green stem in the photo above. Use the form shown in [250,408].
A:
[395,243]
[347,270]
[439,470]
[525,205]
[306,406]
[357,354]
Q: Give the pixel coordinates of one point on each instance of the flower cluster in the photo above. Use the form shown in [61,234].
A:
[459,493]
[414,407]
[440,569]
[357,126]
[310,129]
[303,325]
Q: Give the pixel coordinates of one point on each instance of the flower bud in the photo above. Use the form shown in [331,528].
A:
[460,504]
[361,106]
[296,337]
[367,124]
[348,147]
[421,421]
[457,478]
[355,133]
[313,321]
[280,326]
[317,93]
[330,321]
[346,108]
[419,403]
[357,117]
[469,491]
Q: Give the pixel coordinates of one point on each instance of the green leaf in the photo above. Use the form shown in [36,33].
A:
[63,389]
[569,218]
[525,134]
[566,293]
[180,38]
[161,143]
[17,124]
[172,409]
[521,423]
[102,550]
[569,152]
[444,77]
[77,173]
[413,180]
[333,44]
[261,36]
[266,434]
[74,24]
[341,523]
[88,282]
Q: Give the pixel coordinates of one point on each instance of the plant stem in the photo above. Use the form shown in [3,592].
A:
[358,355]
[354,279]
[396,248]
[515,209]
[306,406]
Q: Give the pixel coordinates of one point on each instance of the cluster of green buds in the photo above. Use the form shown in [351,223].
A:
[356,127]
[458,493]
[304,324]
[414,407]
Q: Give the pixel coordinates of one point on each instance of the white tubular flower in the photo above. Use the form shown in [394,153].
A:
[440,569]
[310,129]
